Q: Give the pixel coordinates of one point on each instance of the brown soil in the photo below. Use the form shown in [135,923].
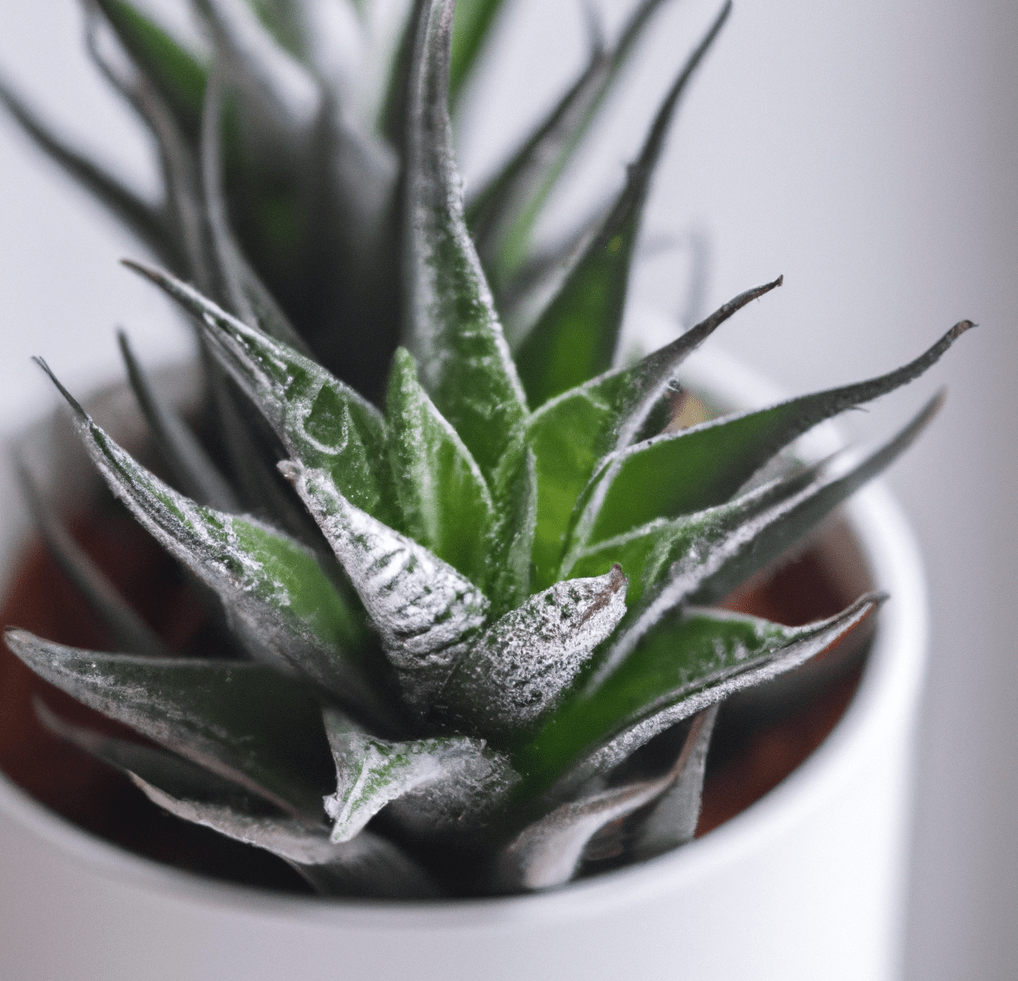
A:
[752,751]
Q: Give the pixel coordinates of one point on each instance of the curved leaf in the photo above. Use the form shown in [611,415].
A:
[443,497]
[684,664]
[732,547]
[576,336]
[452,328]
[278,600]
[548,852]
[673,818]
[650,552]
[319,419]
[367,866]
[425,611]
[524,663]
[431,787]
[678,473]
[244,722]
[572,432]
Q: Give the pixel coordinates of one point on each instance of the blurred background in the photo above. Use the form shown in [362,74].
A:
[867,150]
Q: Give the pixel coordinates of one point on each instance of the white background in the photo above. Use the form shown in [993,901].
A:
[868,150]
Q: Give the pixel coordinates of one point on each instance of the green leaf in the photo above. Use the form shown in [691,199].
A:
[678,473]
[177,73]
[244,722]
[451,328]
[425,611]
[502,214]
[733,559]
[576,336]
[649,552]
[512,541]
[280,603]
[448,784]
[444,500]
[519,670]
[684,664]
[320,420]
[573,431]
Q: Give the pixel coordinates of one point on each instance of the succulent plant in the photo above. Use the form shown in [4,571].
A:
[467,559]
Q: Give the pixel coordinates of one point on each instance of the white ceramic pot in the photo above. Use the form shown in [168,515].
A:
[805,884]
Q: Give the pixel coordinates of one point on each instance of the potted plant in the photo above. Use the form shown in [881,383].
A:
[489,651]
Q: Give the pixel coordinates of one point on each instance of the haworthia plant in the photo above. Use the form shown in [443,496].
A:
[469,570]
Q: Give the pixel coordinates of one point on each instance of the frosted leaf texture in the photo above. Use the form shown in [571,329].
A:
[672,820]
[443,496]
[520,668]
[453,329]
[366,866]
[276,597]
[426,613]
[547,853]
[720,654]
[448,783]
[239,720]
[319,419]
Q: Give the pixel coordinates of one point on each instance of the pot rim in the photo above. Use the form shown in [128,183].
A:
[889,688]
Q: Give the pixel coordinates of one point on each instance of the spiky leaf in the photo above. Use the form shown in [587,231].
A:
[278,599]
[678,473]
[452,328]
[572,432]
[436,786]
[243,721]
[576,336]
[686,663]
[443,497]
[367,866]
[426,612]
[522,666]
[319,419]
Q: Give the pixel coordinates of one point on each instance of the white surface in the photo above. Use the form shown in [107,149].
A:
[867,149]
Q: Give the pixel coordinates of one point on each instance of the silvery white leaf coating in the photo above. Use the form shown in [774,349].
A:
[444,499]
[452,327]
[426,612]
[434,786]
[367,865]
[547,852]
[319,419]
[241,721]
[732,672]
[672,819]
[276,597]
[519,669]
